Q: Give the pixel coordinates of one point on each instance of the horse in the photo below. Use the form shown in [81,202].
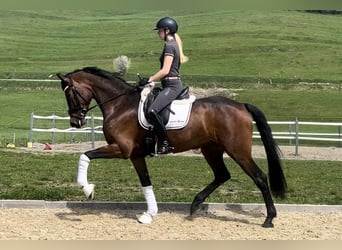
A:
[217,125]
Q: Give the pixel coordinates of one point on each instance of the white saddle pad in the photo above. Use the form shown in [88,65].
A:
[180,108]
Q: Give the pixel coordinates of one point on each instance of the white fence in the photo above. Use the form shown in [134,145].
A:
[90,129]
[293,132]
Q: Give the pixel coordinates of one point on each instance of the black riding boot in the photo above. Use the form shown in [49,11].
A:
[159,128]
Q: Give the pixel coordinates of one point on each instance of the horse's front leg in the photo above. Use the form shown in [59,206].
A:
[152,208]
[108,151]
[113,151]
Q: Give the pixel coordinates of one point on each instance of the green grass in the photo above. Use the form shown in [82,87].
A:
[176,179]
[287,104]
[266,53]
[277,102]
[236,46]
[20,100]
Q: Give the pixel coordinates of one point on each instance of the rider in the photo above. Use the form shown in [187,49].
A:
[170,60]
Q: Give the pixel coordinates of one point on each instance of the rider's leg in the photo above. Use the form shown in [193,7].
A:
[165,97]
[159,128]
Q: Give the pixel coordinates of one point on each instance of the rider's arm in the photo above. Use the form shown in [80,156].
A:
[163,71]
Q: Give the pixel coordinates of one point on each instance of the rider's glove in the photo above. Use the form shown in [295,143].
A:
[143,82]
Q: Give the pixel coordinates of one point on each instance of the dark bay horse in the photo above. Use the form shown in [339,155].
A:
[217,125]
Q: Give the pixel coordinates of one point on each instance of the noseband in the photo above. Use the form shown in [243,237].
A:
[81,111]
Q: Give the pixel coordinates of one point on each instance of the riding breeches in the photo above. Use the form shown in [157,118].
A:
[171,90]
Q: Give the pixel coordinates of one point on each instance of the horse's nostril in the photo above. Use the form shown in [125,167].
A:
[76,123]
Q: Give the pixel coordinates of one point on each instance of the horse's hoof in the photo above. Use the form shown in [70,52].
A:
[267,225]
[192,211]
[145,218]
[194,207]
[89,191]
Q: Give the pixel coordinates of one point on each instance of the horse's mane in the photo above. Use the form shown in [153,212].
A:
[102,73]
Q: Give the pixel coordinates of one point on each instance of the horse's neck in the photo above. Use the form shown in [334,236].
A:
[108,96]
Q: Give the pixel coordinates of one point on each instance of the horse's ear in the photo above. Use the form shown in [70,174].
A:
[66,81]
[62,77]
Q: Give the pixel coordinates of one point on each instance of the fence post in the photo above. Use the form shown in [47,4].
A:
[92,131]
[31,127]
[290,133]
[86,132]
[53,125]
[297,137]
[339,135]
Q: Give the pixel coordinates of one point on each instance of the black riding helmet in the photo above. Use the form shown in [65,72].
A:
[167,23]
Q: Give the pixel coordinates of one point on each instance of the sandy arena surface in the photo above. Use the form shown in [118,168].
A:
[288,152]
[66,223]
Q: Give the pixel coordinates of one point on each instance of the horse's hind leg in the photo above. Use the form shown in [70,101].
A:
[214,156]
[260,179]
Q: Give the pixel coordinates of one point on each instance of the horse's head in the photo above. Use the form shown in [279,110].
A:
[82,85]
[78,98]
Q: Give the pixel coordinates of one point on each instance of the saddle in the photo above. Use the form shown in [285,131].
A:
[174,116]
[165,113]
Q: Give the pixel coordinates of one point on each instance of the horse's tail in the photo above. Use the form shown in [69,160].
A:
[276,176]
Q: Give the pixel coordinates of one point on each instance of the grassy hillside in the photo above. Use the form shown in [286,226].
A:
[273,50]
[236,46]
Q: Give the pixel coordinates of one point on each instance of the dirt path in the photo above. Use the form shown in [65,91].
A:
[288,152]
[304,153]
[68,224]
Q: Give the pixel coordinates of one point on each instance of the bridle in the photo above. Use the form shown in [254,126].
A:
[82,112]
[77,95]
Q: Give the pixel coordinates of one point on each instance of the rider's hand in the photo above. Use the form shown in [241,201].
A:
[143,82]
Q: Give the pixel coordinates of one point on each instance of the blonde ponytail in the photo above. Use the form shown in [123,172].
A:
[183,58]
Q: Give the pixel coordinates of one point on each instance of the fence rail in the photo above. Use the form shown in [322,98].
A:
[92,129]
[293,132]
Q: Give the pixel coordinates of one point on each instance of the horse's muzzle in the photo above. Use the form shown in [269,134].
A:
[76,122]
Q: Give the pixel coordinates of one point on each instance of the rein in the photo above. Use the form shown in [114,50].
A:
[112,99]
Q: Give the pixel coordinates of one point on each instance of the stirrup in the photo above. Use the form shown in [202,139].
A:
[165,148]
